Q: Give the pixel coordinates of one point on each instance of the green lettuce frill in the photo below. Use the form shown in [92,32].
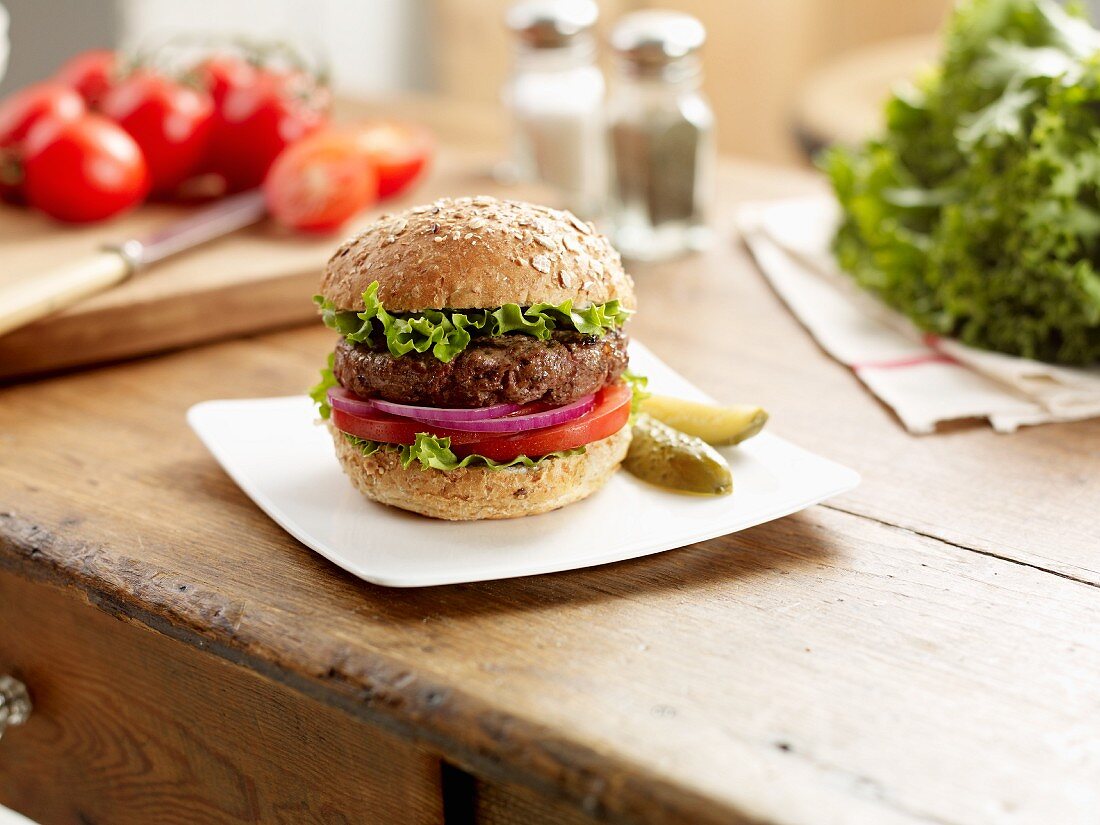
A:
[446,333]
[435,454]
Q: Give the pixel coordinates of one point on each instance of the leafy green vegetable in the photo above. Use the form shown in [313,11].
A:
[977,213]
[319,392]
[638,391]
[435,454]
[446,333]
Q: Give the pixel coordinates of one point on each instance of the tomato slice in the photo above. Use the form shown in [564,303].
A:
[398,151]
[319,183]
[610,415]
[393,429]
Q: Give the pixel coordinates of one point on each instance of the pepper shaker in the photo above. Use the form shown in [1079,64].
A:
[661,137]
[556,96]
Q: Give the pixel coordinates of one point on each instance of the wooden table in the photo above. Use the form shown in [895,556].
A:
[925,649]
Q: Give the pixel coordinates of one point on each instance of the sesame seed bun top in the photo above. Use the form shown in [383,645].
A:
[475,253]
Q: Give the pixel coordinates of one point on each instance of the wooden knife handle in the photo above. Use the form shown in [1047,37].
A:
[39,295]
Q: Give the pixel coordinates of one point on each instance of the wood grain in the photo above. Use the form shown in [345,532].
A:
[495,804]
[131,727]
[822,662]
[833,665]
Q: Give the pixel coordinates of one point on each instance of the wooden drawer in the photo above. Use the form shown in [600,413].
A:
[130,726]
[495,804]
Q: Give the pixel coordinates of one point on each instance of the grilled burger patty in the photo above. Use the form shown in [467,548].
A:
[511,368]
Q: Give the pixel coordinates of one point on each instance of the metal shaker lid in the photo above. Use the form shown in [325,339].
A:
[656,38]
[551,24]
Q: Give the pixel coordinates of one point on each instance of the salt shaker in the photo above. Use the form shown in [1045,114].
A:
[556,96]
[661,137]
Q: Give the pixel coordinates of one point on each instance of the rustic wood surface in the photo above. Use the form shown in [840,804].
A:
[921,650]
[132,727]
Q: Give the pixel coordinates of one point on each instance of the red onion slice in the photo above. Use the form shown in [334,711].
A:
[494,419]
[444,415]
[519,423]
[345,401]
[341,399]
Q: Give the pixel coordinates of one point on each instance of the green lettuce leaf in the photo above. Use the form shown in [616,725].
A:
[434,453]
[638,391]
[319,392]
[977,212]
[446,333]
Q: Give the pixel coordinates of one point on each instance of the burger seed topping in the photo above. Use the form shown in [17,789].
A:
[580,225]
[541,263]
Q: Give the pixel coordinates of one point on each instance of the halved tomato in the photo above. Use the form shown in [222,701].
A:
[398,151]
[608,417]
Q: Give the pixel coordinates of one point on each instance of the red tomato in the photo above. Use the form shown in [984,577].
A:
[90,73]
[258,117]
[393,429]
[41,101]
[83,170]
[224,73]
[169,120]
[399,152]
[610,415]
[319,182]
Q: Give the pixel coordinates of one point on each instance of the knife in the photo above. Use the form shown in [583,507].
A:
[38,296]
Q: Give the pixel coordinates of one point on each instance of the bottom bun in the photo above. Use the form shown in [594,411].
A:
[478,492]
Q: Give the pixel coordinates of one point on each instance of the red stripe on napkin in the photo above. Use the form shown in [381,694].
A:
[900,363]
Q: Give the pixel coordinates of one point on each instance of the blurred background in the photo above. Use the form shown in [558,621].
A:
[779,73]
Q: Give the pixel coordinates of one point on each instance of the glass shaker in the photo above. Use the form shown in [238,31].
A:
[661,135]
[556,96]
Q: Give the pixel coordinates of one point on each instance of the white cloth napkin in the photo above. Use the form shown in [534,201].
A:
[923,378]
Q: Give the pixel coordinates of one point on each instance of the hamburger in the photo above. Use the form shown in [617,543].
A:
[480,371]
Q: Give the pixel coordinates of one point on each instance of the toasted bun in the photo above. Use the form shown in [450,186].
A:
[481,493]
[477,253]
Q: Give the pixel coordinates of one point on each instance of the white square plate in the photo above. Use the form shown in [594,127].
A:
[285,463]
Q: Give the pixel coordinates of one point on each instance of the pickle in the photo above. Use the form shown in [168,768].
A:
[720,426]
[669,458]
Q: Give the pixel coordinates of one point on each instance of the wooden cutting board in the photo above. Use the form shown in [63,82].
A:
[257,279]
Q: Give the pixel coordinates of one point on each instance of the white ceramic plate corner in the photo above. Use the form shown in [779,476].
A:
[285,463]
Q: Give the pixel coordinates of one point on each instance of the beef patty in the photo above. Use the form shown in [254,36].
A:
[513,368]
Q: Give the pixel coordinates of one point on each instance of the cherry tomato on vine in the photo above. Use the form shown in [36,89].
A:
[320,182]
[170,121]
[90,73]
[259,118]
[83,170]
[224,73]
[41,101]
[18,113]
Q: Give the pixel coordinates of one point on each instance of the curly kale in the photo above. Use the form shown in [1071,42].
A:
[977,213]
